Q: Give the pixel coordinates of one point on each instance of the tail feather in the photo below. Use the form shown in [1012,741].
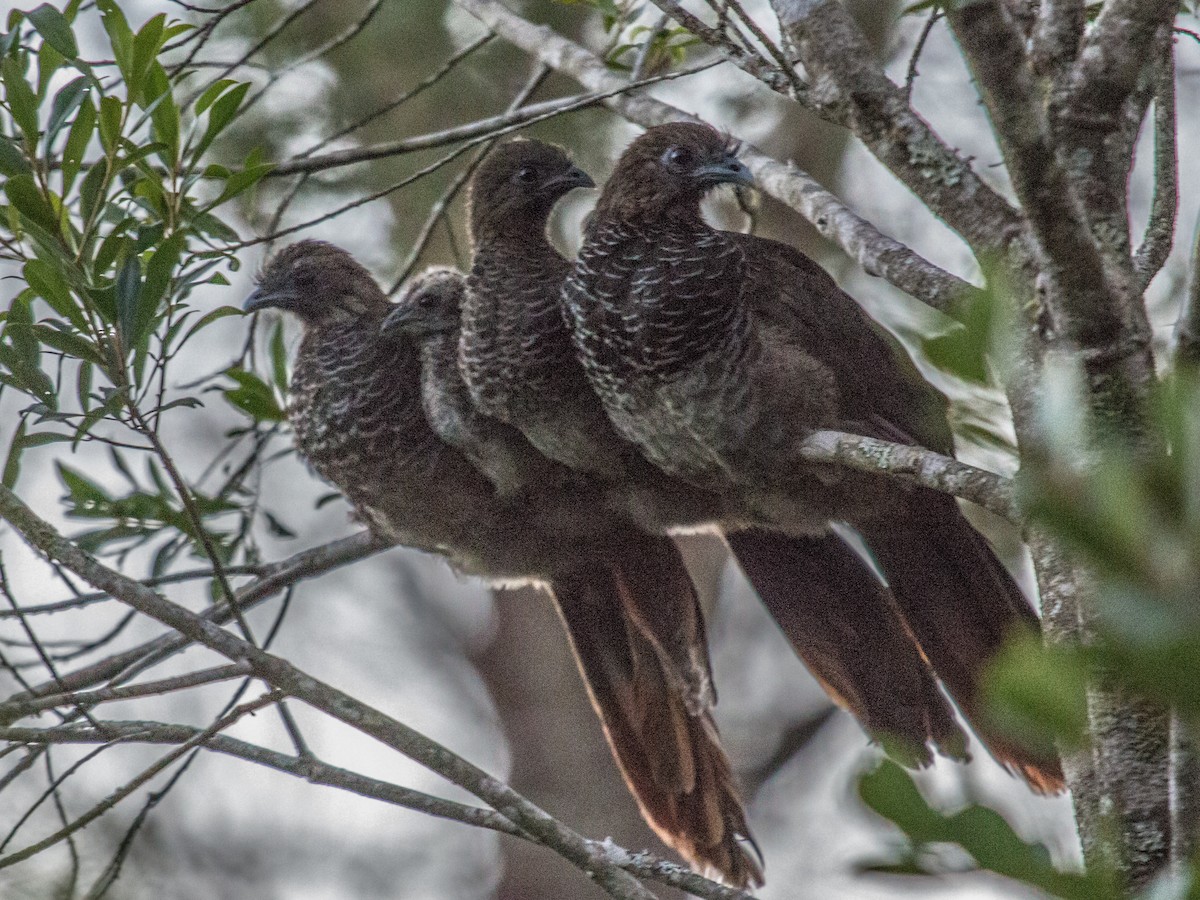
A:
[846,628]
[962,605]
[657,593]
[671,756]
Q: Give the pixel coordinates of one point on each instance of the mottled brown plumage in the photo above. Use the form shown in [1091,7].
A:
[356,407]
[718,353]
[516,354]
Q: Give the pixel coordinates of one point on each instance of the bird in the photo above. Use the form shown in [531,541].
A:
[356,408]
[717,353]
[428,315]
[517,357]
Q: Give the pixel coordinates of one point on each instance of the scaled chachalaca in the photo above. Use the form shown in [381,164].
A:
[355,404]
[717,353]
[517,356]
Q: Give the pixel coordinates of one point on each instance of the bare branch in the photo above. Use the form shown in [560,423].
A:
[1160,232]
[351,32]
[421,86]
[916,465]
[15,710]
[1056,37]
[858,94]
[97,597]
[877,253]
[275,578]
[780,79]
[276,671]
[1187,330]
[480,128]
[910,77]
[644,865]
[438,210]
[129,787]
[1114,52]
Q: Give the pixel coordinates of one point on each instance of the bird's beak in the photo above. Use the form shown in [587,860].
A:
[730,170]
[573,178]
[396,320]
[262,299]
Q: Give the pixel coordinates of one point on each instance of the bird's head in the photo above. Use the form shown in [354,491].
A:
[429,306]
[517,185]
[668,170]
[320,283]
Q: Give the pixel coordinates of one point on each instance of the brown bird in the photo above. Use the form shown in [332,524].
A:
[355,404]
[517,356]
[717,353]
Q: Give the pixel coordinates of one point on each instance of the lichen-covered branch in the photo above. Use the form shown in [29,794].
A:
[1160,232]
[915,465]
[855,91]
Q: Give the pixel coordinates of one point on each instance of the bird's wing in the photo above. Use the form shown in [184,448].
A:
[882,394]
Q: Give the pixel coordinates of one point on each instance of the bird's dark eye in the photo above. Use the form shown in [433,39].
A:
[528,174]
[677,157]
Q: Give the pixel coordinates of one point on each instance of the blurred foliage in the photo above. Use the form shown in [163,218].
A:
[1134,520]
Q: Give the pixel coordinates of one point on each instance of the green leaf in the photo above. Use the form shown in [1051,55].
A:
[71,344]
[110,123]
[1038,694]
[209,317]
[279,358]
[23,193]
[254,396]
[91,190]
[211,93]
[145,48]
[12,160]
[49,62]
[159,270]
[164,116]
[21,100]
[221,114]
[20,358]
[129,289]
[238,182]
[78,139]
[963,350]
[54,29]
[66,101]
[12,463]
[982,832]
[115,246]
[50,285]
[87,498]
[119,35]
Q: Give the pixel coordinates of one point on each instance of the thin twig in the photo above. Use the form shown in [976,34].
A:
[910,78]
[15,710]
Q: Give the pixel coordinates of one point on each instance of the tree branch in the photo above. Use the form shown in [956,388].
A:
[915,465]
[315,771]
[877,253]
[1160,232]
[275,577]
[279,673]
[857,93]
[15,710]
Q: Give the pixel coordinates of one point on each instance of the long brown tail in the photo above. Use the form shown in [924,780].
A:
[669,753]
[846,628]
[962,605]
